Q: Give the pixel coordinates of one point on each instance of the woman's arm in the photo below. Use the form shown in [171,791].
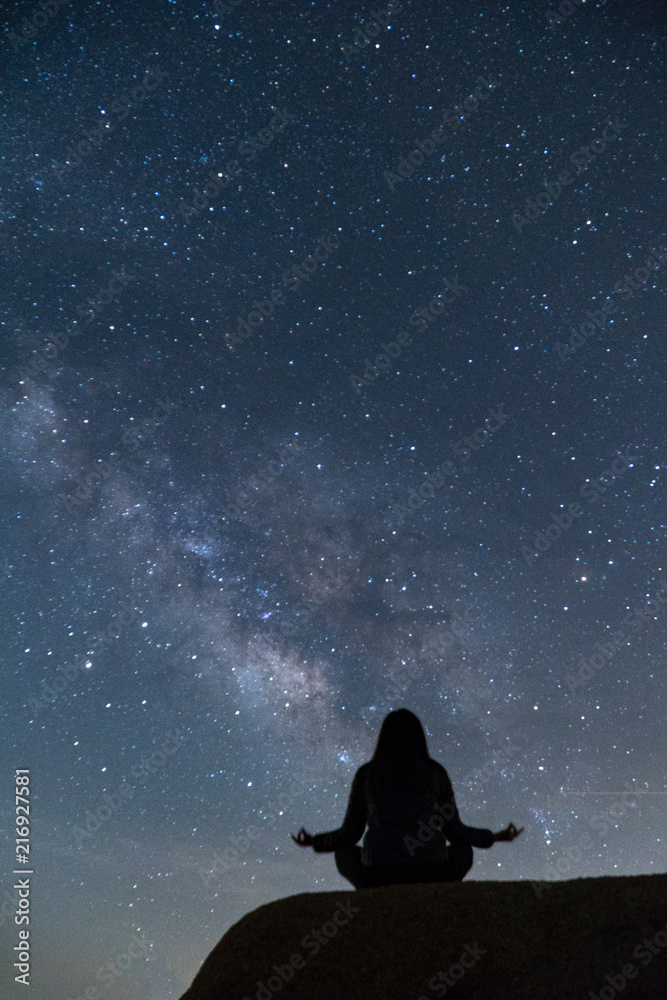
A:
[354,823]
[453,828]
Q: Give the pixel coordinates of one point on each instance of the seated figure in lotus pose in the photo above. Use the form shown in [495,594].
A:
[414,832]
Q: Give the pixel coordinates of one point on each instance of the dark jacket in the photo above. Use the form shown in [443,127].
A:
[399,831]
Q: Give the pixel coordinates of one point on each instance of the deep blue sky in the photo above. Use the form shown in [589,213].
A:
[273,626]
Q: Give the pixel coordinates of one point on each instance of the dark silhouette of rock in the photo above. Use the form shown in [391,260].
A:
[582,939]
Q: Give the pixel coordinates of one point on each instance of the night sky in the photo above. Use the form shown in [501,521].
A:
[242,519]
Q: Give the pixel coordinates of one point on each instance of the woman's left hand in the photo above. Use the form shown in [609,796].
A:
[302,838]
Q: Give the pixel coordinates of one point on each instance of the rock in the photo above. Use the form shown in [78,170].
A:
[583,939]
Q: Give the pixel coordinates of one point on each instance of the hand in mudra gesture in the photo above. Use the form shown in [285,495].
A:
[302,838]
[509,833]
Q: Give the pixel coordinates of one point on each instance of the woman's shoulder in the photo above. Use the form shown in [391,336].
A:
[362,772]
[440,773]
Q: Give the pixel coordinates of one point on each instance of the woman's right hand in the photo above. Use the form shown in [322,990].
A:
[509,833]
[303,838]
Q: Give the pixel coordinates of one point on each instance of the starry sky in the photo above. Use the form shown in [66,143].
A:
[242,519]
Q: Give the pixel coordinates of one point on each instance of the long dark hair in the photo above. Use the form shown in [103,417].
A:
[400,753]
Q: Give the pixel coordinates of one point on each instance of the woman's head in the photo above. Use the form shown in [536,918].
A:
[401,747]
[401,735]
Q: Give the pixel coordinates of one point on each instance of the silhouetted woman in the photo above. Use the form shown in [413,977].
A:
[407,800]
